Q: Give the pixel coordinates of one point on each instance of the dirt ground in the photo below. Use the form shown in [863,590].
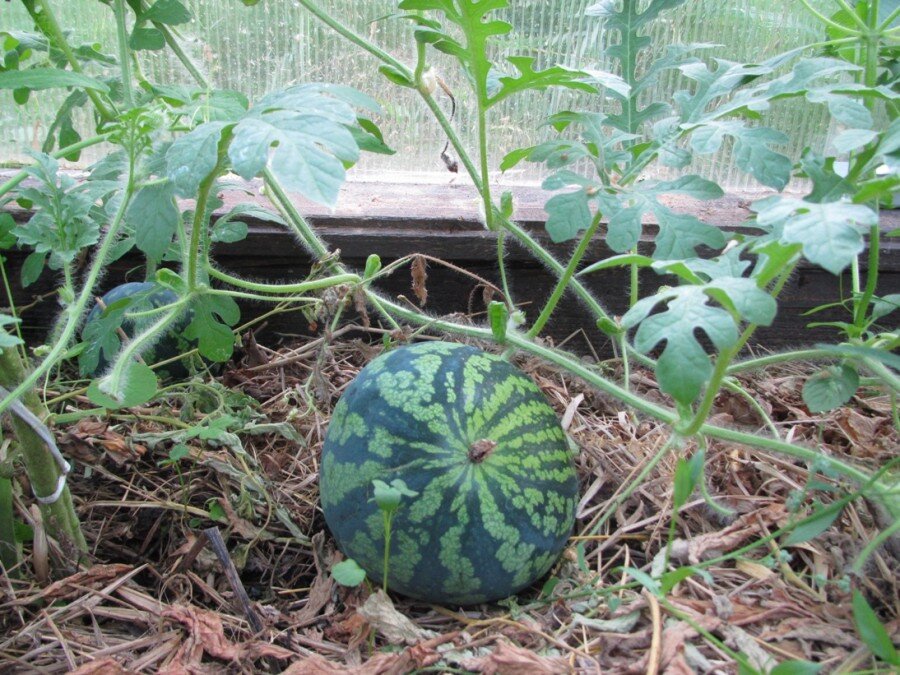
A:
[153,493]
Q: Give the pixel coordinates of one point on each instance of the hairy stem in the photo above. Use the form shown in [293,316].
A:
[566,277]
[302,287]
[43,471]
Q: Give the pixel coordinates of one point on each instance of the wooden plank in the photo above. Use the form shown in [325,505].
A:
[441,219]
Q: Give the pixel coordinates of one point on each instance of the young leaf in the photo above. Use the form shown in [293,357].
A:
[683,367]
[828,186]
[35,79]
[65,220]
[386,496]
[210,326]
[685,482]
[528,78]
[851,139]
[499,318]
[567,215]
[872,632]
[830,388]
[192,157]
[6,339]
[154,216]
[170,12]
[138,385]
[812,527]
[796,668]
[348,573]
[644,580]
[751,151]
[146,39]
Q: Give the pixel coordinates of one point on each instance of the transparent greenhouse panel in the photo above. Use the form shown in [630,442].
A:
[274,44]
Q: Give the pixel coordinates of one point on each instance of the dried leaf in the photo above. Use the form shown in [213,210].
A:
[206,635]
[74,585]
[419,277]
[359,304]
[322,586]
[745,527]
[107,666]
[418,656]
[379,611]
[508,658]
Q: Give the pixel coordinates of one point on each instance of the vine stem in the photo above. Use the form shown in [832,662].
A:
[828,22]
[567,275]
[720,371]
[112,383]
[782,357]
[198,225]
[302,287]
[660,413]
[518,233]
[312,242]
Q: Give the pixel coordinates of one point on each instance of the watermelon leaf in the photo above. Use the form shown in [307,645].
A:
[830,234]
[830,388]
[684,366]
[213,316]
[154,216]
[138,385]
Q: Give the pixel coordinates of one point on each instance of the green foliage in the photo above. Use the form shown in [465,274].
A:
[348,573]
[302,134]
[210,326]
[830,388]
[66,217]
[872,632]
[684,366]
[138,386]
[8,341]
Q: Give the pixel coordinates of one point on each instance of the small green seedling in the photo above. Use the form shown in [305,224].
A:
[348,573]
[388,498]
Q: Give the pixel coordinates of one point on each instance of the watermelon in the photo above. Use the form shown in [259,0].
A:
[101,337]
[478,442]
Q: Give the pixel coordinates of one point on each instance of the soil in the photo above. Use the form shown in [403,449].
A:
[155,498]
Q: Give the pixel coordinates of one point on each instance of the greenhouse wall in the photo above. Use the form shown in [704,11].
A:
[273,44]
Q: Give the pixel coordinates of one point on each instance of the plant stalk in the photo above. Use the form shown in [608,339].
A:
[43,471]
[566,277]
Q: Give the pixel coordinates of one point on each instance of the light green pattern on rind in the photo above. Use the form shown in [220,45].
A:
[338,479]
[512,551]
[432,499]
[413,396]
[406,553]
[460,570]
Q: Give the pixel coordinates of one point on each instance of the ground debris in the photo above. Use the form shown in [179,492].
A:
[155,600]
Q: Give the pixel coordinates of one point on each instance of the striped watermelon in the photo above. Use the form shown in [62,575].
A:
[477,440]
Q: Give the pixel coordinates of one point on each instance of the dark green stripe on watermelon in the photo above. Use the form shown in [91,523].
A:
[477,440]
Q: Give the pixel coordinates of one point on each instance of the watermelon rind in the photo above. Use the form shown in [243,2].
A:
[478,442]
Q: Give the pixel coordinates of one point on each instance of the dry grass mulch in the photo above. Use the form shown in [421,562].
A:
[157,598]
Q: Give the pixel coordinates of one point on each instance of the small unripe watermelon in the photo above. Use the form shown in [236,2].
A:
[104,343]
[478,442]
